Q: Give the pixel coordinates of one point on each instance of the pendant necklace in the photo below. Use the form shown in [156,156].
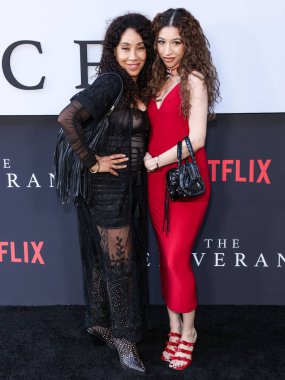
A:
[169,71]
[168,82]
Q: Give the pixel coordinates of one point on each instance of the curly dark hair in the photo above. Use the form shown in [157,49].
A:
[197,57]
[132,90]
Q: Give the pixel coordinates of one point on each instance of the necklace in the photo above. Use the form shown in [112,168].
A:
[168,83]
[169,71]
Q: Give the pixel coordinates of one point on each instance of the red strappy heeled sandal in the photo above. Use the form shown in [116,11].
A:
[172,344]
[181,358]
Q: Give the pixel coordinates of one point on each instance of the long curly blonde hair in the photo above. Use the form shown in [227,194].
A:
[197,57]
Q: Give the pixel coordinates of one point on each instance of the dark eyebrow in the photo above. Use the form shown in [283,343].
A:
[127,43]
[174,39]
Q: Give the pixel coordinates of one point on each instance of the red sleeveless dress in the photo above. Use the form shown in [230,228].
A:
[185,218]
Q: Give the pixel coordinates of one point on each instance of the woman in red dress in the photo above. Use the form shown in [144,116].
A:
[185,87]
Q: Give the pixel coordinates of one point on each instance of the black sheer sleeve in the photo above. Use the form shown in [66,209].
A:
[92,103]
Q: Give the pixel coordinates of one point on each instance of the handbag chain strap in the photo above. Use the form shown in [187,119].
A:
[190,149]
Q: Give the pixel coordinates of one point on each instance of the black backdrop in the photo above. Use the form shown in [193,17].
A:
[239,257]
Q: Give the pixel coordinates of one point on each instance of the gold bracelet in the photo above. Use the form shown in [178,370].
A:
[94,172]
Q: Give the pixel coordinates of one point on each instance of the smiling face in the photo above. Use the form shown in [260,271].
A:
[170,46]
[131,53]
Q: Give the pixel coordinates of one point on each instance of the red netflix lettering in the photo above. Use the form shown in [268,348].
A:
[251,170]
[263,174]
[2,250]
[37,248]
[214,164]
[14,259]
[25,252]
[238,176]
[255,171]
[226,169]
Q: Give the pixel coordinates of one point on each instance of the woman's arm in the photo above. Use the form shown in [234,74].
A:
[71,119]
[197,122]
[93,102]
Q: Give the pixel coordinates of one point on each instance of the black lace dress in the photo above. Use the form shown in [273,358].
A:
[113,226]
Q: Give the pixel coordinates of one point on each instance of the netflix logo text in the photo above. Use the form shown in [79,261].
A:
[26,252]
[253,171]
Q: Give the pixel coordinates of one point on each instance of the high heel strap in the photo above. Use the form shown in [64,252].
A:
[171,343]
[189,352]
[174,334]
[181,358]
[172,352]
[189,344]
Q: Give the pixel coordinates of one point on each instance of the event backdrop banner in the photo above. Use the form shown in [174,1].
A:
[239,257]
[48,53]
[48,49]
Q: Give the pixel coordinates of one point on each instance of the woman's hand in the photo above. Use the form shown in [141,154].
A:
[151,163]
[147,156]
[109,164]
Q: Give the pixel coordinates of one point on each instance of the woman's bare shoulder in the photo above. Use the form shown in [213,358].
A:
[197,82]
[196,77]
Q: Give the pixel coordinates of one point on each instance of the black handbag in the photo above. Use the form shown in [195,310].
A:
[183,182]
[72,178]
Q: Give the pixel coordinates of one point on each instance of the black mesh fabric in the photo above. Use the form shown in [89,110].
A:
[112,227]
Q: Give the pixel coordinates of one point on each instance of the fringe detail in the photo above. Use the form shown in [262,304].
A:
[67,171]
[72,178]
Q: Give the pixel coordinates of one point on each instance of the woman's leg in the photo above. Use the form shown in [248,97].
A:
[188,330]
[175,323]
[122,288]
[94,284]
[121,278]
[188,334]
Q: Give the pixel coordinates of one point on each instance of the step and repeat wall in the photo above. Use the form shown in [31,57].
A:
[48,53]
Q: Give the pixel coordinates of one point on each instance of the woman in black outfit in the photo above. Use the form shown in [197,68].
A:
[112,226]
